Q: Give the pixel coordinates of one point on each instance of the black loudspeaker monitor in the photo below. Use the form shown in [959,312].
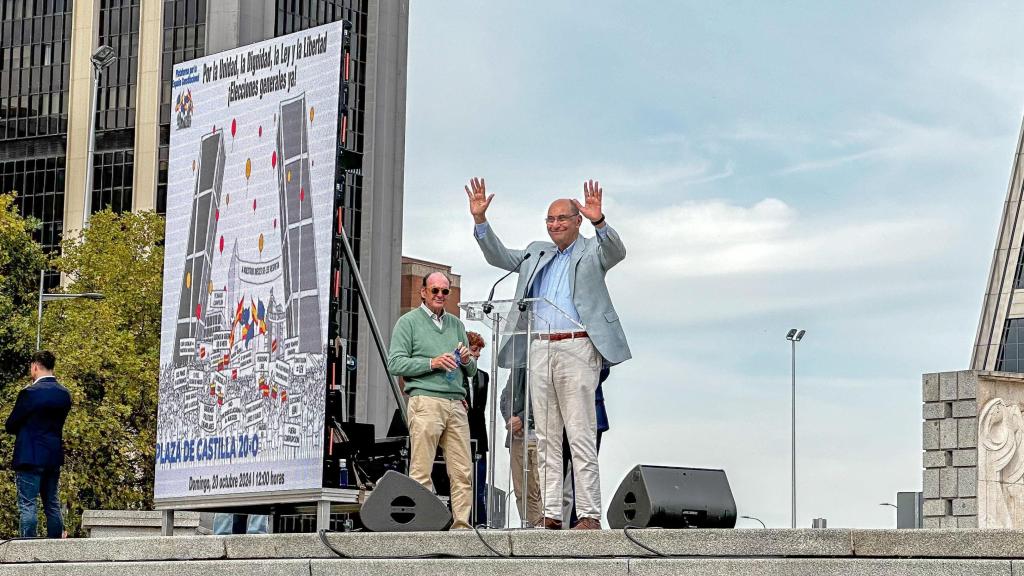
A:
[671,497]
[400,504]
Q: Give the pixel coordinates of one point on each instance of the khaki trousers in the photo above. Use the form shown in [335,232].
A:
[439,421]
[532,513]
[564,379]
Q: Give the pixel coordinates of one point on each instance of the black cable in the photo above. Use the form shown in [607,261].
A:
[487,544]
[625,532]
[323,538]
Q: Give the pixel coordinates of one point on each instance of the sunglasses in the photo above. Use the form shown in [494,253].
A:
[444,291]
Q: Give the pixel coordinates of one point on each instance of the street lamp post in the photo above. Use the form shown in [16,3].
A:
[754,518]
[103,56]
[51,297]
[794,336]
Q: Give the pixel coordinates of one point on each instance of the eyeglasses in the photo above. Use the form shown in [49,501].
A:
[561,218]
[444,291]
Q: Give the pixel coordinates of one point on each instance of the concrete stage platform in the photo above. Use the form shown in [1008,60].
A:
[606,552]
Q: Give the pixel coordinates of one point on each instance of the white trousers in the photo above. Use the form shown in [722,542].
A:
[564,375]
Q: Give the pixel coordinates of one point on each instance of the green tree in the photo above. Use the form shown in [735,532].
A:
[21,259]
[108,355]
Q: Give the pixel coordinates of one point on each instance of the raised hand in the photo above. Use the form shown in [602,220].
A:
[479,201]
[591,208]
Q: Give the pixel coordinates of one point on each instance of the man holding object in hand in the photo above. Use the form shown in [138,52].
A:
[423,348]
[569,271]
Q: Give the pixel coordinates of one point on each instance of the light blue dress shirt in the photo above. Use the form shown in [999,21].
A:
[552,283]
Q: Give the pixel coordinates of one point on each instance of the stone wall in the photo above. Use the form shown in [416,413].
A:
[972,430]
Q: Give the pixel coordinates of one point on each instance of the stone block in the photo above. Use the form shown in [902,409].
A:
[967,385]
[949,521]
[967,522]
[930,387]
[965,408]
[802,567]
[474,567]
[148,549]
[937,410]
[740,542]
[938,543]
[932,523]
[279,567]
[937,458]
[930,483]
[967,457]
[966,482]
[367,544]
[947,482]
[930,435]
[947,386]
[936,507]
[947,433]
[965,507]
[967,432]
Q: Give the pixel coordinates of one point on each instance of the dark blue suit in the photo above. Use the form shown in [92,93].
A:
[37,421]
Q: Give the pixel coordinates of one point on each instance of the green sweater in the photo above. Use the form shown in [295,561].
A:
[415,341]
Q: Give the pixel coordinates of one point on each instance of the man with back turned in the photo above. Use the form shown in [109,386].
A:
[37,421]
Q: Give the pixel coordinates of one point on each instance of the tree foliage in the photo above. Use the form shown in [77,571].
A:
[108,355]
[21,259]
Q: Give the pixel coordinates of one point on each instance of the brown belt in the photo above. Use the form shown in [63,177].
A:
[556,336]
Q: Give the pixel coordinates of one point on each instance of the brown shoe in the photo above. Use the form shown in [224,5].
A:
[552,524]
[586,523]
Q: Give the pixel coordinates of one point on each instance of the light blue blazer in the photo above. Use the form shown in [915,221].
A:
[591,260]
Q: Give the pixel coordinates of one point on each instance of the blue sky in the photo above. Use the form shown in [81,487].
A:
[837,167]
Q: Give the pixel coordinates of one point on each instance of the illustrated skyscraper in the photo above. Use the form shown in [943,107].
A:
[195,280]
[298,239]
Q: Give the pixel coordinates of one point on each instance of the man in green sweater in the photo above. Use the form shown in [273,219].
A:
[423,352]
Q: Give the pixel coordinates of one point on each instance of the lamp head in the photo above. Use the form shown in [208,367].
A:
[795,335]
[103,56]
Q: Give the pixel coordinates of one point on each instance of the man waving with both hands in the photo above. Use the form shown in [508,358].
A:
[569,271]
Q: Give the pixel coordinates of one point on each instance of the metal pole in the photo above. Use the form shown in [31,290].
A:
[39,318]
[793,457]
[92,144]
[493,390]
[527,402]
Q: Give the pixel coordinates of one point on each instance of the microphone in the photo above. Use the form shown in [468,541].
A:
[522,304]
[487,305]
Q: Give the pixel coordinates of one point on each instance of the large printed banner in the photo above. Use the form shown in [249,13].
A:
[246,271]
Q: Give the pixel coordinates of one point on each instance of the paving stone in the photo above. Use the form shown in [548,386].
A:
[967,432]
[939,543]
[965,507]
[817,567]
[930,435]
[368,544]
[965,408]
[966,482]
[930,387]
[947,433]
[967,385]
[936,507]
[947,386]
[282,567]
[966,457]
[930,483]
[947,482]
[114,549]
[474,567]
[739,542]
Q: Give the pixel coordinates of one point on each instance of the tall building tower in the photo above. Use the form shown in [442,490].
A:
[1000,341]
[46,107]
